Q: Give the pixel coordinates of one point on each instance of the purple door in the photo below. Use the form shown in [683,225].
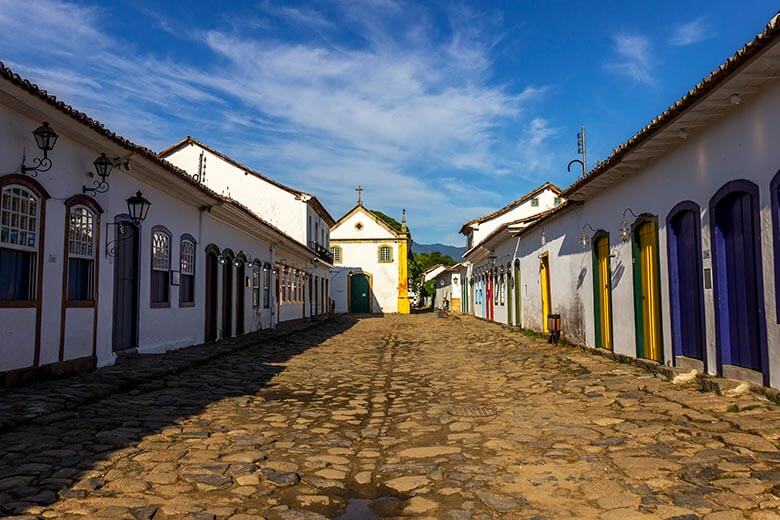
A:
[739,303]
[685,281]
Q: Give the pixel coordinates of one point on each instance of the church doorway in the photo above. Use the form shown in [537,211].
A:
[359,293]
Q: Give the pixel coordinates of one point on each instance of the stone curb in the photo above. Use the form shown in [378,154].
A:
[706,382]
[18,406]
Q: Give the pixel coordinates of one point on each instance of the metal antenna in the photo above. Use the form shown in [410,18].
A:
[581,150]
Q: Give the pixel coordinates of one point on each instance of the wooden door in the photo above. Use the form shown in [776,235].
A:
[602,292]
[738,284]
[359,294]
[544,286]
[518,296]
[240,297]
[227,298]
[211,294]
[126,272]
[685,284]
[647,302]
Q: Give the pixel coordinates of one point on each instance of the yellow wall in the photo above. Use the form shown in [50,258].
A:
[403,278]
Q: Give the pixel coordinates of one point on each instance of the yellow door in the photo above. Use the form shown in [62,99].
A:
[605,297]
[651,320]
[544,283]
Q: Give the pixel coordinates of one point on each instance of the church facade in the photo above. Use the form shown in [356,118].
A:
[370,257]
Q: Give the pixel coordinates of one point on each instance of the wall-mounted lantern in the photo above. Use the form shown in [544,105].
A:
[543,237]
[137,208]
[585,237]
[492,260]
[45,138]
[103,167]
[625,226]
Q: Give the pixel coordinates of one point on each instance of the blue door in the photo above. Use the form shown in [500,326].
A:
[685,282]
[738,291]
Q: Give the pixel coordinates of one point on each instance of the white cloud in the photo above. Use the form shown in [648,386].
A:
[690,33]
[404,114]
[634,58]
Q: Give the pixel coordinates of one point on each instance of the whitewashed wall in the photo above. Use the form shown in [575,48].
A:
[482,230]
[737,146]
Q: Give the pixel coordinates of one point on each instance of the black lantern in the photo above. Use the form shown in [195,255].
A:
[45,138]
[138,207]
[103,167]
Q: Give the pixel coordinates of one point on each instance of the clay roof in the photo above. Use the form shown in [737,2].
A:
[31,88]
[511,205]
[506,225]
[379,220]
[700,90]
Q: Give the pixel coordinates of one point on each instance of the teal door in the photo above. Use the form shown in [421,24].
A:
[359,294]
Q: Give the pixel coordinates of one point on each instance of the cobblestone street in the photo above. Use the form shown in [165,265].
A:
[405,416]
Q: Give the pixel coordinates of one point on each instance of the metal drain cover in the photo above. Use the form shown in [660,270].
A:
[472,411]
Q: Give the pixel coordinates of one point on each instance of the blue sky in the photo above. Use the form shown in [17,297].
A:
[447,109]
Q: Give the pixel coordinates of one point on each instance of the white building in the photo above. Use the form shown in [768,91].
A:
[296,213]
[668,250]
[370,258]
[83,276]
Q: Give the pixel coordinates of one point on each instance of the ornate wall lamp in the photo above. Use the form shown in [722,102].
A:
[45,138]
[137,208]
[103,168]
[625,226]
[585,237]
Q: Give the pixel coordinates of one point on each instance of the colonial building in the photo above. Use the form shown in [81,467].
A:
[370,259]
[304,286]
[106,247]
[669,249]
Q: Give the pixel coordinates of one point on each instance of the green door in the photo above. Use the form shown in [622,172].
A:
[359,294]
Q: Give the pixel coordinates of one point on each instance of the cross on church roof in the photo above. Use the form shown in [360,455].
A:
[359,191]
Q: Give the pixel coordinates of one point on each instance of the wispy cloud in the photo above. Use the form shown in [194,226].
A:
[691,32]
[403,114]
[633,58]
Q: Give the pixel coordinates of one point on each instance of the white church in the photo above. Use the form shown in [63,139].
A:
[370,273]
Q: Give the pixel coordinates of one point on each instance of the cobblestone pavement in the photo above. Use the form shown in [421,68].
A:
[402,416]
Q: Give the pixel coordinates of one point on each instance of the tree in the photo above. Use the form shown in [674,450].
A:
[421,262]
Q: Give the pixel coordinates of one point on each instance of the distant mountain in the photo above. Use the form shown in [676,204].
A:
[455,252]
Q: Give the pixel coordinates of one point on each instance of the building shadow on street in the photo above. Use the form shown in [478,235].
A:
[54,456]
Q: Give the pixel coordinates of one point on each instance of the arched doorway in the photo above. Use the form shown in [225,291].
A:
[211,292]
[509,295]
[686,293]
[227,293]
[544,287]
[602,290]
[739,302]
[647,301]
[240,292]
[126,280]
[359,293]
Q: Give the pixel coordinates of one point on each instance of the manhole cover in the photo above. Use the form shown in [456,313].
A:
[472,411]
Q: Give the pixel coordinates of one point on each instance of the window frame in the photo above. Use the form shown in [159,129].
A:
[91,205]
[186,237]
[37,269]
[535,202]
[337,257]
[167,303]
[379,254]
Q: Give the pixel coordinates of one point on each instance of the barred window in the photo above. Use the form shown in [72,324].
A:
[336,252]
[81,254]
[161,265]
[385,254]
[19,220]
[187,271]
